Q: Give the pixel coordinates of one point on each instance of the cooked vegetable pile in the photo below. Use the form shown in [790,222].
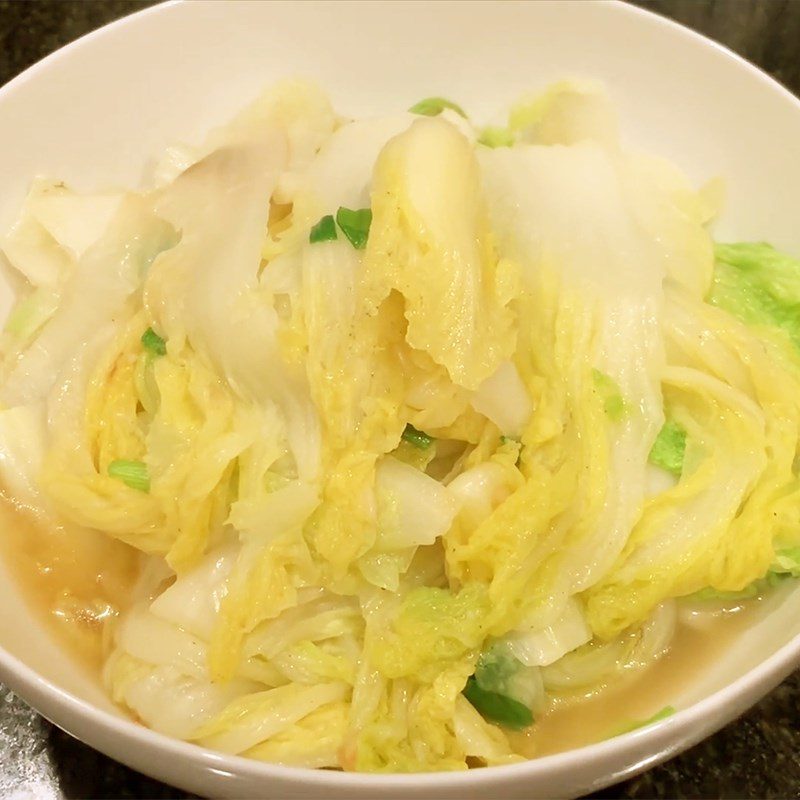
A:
[418,427]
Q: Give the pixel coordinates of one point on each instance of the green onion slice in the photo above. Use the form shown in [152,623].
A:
[497,707]
[154,343]
[323,231]
[131,473]
[496,137]
[433,106]
[417,438]
[669,448]
[355,225]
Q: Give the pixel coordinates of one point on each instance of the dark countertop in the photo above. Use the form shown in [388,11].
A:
[758,756]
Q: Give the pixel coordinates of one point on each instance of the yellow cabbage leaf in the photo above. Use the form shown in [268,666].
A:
[430,240]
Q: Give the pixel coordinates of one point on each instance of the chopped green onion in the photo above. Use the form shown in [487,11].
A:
[433,106]
[417,438]
[323,231]
[669,448]
[355,225]
[613,404]
[627,727]
[413,456]
[154,343]
[614,407]
[497,707]
[510,440]
[131,473]
[496,137]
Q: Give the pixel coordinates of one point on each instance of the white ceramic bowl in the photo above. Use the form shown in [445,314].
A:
[94,113]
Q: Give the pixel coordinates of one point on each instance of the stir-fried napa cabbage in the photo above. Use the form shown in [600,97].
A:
[419,428]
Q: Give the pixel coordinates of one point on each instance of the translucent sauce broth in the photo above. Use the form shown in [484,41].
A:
[79,580]
[579,721]
[76,580]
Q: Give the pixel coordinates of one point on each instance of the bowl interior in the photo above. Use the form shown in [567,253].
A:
[95,113]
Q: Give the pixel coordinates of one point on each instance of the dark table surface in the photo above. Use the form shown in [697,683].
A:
[758,756]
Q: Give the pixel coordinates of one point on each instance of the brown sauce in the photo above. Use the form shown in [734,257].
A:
[75,580]
[79,580]
[584,720]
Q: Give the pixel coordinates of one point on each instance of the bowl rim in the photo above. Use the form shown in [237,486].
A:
[686,725]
